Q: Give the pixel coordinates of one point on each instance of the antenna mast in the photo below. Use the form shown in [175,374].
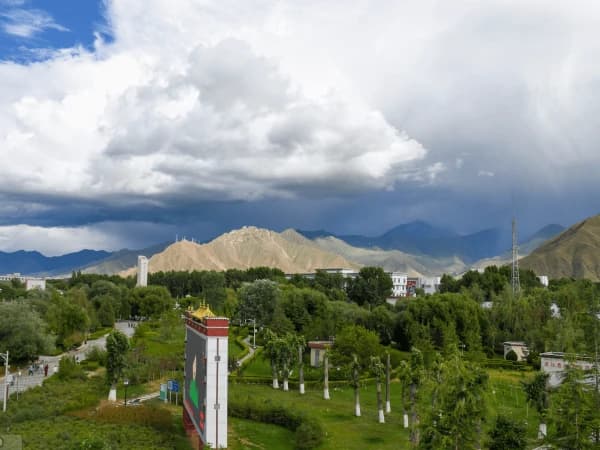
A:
[516,284]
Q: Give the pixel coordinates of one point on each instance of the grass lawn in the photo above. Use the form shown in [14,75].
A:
[99,333]
[344,431]
[248,435]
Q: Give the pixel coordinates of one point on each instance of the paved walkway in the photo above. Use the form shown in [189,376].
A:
[26,381]
[250,353]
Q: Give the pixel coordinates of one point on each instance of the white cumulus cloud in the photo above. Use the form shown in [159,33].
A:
[180,109]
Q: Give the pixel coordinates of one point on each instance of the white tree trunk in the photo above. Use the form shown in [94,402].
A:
[388,367]
[112,394]
[542,432]
[326,376]
[381,416]
[405,420]
[356,403]
[300,370]
[275,383]
[285,385]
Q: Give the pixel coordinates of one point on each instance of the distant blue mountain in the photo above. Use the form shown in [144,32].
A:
[32,262]
[421,238]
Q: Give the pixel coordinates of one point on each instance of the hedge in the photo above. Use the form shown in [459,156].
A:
[308,431]
[245,349]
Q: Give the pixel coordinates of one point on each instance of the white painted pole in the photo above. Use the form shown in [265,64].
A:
[5,379]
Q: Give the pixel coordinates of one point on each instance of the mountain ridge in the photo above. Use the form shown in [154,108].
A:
[573,253]
[244,248]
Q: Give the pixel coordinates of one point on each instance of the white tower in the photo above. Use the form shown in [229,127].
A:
[205,386]
[142,271]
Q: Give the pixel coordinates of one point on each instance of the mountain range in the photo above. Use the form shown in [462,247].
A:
[417,248]
[32,262]
[421,238]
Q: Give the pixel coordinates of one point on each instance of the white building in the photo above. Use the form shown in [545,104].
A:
[35,283]
[317,351]
[30,282]
[543,280]
[11,276]
[142,271]
[520,349]
[430,285]
[555,363]
[398,284]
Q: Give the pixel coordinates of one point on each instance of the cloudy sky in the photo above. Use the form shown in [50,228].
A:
[125,122]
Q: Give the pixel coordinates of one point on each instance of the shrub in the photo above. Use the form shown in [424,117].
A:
[308,431]
[508,433]
[68,369]
[96,354]
[308,435]
[534,359]
[146,415]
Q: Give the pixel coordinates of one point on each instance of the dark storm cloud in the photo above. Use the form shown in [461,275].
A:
[332,115]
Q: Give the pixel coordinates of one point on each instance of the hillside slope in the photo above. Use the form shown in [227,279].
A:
[393,260]
[245,248]
[573,253]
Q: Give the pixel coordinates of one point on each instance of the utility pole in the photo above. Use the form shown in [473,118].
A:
[5,357]
[515,282]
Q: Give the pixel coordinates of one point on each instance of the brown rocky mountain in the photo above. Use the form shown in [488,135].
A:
[573,253]
[245,248]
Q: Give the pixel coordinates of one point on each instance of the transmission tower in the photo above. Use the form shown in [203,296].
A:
[516,284]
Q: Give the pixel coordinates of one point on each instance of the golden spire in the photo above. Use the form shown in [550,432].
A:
[203,311]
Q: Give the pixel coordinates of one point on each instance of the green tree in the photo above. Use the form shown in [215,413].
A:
[288,351]
[405,377]
[150,301]
[377,369]
[537,395]
[372,286]
[455,421]
[257,300]
[22,332]
[117,346]
[508,433]
[355,340]
[354,370]
[272,351]
[416,374]
[68,321]
[573,412]
[106,314]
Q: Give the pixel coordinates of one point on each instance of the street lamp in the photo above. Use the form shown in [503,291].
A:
[254,333]
[126,383]
[18,378]
[5,358]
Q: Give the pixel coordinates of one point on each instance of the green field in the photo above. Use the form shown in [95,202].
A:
[248,435]
[345,431]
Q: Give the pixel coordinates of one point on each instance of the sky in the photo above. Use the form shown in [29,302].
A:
[126,122]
